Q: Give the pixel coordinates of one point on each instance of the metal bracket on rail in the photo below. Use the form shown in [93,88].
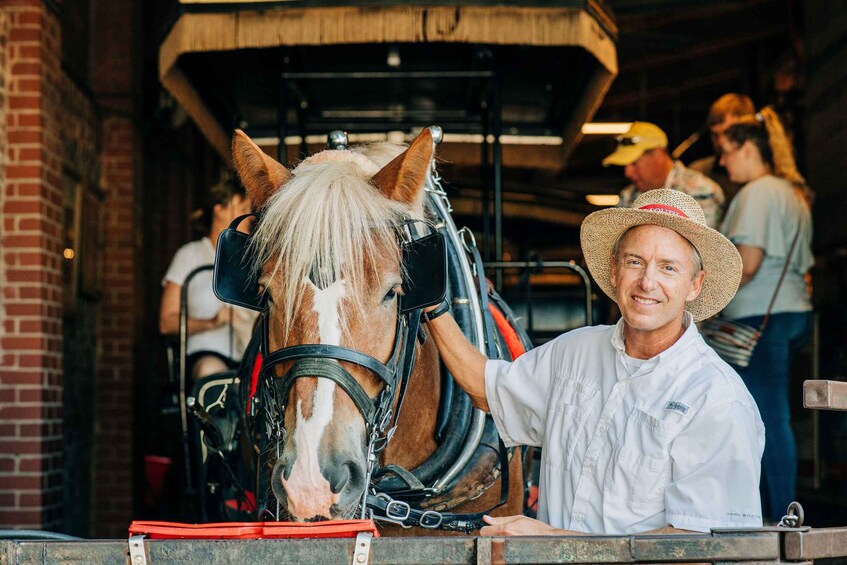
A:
[362,551]
[137,551]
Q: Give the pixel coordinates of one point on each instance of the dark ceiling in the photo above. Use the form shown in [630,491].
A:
[351,87]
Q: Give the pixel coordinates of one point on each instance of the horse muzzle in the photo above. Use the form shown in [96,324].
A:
[332,489]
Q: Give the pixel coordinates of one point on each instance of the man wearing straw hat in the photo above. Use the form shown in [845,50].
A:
[643,426]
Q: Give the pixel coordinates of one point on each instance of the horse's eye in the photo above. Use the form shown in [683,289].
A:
[391,294]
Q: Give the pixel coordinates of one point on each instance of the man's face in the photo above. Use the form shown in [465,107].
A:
[654,277]
[648,171]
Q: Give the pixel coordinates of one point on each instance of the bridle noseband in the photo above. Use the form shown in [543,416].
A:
[324,361]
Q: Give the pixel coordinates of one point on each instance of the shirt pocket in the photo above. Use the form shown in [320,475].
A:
[641,467]
[569,411]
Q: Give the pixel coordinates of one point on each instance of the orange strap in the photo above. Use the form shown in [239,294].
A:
[510,336]
[253,530]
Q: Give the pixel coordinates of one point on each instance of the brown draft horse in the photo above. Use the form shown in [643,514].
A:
[330,264]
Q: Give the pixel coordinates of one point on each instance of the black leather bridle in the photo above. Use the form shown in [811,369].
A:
[325,361]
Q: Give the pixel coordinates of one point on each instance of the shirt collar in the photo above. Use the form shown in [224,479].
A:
[684,340]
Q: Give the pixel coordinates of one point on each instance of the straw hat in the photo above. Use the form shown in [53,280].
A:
[679,212]
[640,138]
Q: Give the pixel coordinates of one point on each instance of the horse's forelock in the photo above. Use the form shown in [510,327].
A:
[328,222]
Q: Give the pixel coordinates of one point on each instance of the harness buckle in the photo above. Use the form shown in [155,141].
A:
[385,419]
[398,510]
[431,519]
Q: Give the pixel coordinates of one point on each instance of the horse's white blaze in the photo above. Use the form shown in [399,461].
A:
[327,302]
[309,493]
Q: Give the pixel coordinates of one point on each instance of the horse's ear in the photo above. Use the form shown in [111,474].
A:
[262,176]
[402,179]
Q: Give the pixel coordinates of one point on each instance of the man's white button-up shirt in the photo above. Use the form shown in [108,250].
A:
[631,445]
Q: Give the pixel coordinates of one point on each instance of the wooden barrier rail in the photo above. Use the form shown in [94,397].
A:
[760,546]
[825,395]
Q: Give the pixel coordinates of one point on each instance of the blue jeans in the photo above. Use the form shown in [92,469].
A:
[767,378]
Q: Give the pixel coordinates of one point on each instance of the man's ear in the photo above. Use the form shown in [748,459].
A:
[696,285]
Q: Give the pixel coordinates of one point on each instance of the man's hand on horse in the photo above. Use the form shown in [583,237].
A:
[520,525]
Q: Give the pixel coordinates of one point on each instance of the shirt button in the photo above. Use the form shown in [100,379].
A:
[602,428]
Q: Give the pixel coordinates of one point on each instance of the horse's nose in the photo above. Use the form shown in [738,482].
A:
[347,480]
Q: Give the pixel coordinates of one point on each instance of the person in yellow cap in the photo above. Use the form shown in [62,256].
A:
[642,152]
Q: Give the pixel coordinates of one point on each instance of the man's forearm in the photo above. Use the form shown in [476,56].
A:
[461,357]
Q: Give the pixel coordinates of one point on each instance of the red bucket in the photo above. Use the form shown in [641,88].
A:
[156,469]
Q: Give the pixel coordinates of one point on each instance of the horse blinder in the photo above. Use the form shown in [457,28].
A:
[236,281]
[425,262]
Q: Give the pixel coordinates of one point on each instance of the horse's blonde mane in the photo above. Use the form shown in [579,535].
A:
[327,223]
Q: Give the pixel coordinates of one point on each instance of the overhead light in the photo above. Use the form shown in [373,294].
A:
[605,128]
[603,199]
[529,140]
[393,59]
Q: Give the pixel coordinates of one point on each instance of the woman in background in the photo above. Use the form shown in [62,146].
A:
[217,333]
[770,210]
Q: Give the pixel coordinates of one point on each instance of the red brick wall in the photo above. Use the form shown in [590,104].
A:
[47,120]
[31,339]
[4,71]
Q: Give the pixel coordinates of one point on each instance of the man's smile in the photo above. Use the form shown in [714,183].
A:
[645,300]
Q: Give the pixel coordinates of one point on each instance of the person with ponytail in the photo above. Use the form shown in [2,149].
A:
[770,223]
[217,333]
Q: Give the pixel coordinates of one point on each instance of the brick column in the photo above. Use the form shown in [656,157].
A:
[30,252]
[113,464]
[115,88]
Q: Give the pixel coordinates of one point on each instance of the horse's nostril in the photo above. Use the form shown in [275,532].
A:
[285,463]
[357,477]
[339,477]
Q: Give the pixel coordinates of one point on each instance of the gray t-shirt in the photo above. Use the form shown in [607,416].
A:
[766,213]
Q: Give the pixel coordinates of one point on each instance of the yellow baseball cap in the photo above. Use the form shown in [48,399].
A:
[640,137]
